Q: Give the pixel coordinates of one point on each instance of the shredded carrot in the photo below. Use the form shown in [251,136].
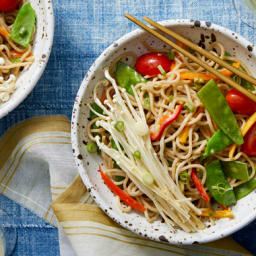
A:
[4,32]
[16,54]
[187,75]
[173,65]
[249,123]
[218,214]
[226,72]
[184,133]
[236,64]
[180,44]
[103,97]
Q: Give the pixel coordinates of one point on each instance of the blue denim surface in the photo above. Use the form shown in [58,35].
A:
[83,29]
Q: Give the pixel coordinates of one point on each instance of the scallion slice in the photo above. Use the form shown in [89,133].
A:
[161,70]
[119,126]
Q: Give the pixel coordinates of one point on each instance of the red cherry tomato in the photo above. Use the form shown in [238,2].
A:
[147,64]
[240,103]
[8,5]
[249,146]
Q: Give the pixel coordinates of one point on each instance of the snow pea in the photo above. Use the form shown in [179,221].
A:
[235,170]
[127,76]
[245,188]
[218,185]
[215,102]
[24,25]
[217,142]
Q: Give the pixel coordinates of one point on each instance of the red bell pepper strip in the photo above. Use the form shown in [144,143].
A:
[128,200]
[156,131]
[199,186]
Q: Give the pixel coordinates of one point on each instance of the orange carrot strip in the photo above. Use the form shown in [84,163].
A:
[4,32]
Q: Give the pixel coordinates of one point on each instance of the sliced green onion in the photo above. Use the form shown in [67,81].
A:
[137,154]
[147,178]
[15,60]
[189,107]
[171,55]
[119,126]
[170,97]
[184,177]
[201,81]
[196,80]
[147,103]
[161,70]
[91,147]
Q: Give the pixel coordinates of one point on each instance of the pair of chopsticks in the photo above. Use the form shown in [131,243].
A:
[194,58]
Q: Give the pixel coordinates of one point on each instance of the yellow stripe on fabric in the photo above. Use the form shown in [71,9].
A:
[15,134]
[19,161]
[128,242]
[138,238]
[47,212]
[54,187]
[82,212]
[25,143]
[73,193]
[228,243]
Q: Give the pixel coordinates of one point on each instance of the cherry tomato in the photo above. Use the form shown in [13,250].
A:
[8,5]
[249,146]
[240,103]
[147,64]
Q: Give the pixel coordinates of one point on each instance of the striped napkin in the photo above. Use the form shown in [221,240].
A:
[37,170]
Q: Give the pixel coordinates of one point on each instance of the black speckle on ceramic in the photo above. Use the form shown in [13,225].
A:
[197,23]
[163,239]
[80,157]
[208,24]
[250,48]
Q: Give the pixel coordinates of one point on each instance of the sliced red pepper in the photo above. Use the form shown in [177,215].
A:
[128,200]
[199,186]
[156,131]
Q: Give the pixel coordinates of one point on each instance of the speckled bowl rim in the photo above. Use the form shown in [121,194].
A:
[14,102]
[76,113]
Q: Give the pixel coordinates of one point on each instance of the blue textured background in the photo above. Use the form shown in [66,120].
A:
[83,29]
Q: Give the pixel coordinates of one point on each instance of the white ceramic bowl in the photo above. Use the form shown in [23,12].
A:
[41,49]
[244,211]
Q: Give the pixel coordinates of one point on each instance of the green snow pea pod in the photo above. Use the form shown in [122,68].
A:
[24,25]
[127,76]
[215,102]
[218,185]
[217,142]
[235,170]
[245,188]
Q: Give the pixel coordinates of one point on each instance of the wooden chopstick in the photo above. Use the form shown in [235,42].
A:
[193,58]
[201,50]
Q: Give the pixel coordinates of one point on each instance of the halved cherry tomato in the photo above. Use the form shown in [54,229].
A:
[240,103]
[249,146]
[8,5]
[147,64]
